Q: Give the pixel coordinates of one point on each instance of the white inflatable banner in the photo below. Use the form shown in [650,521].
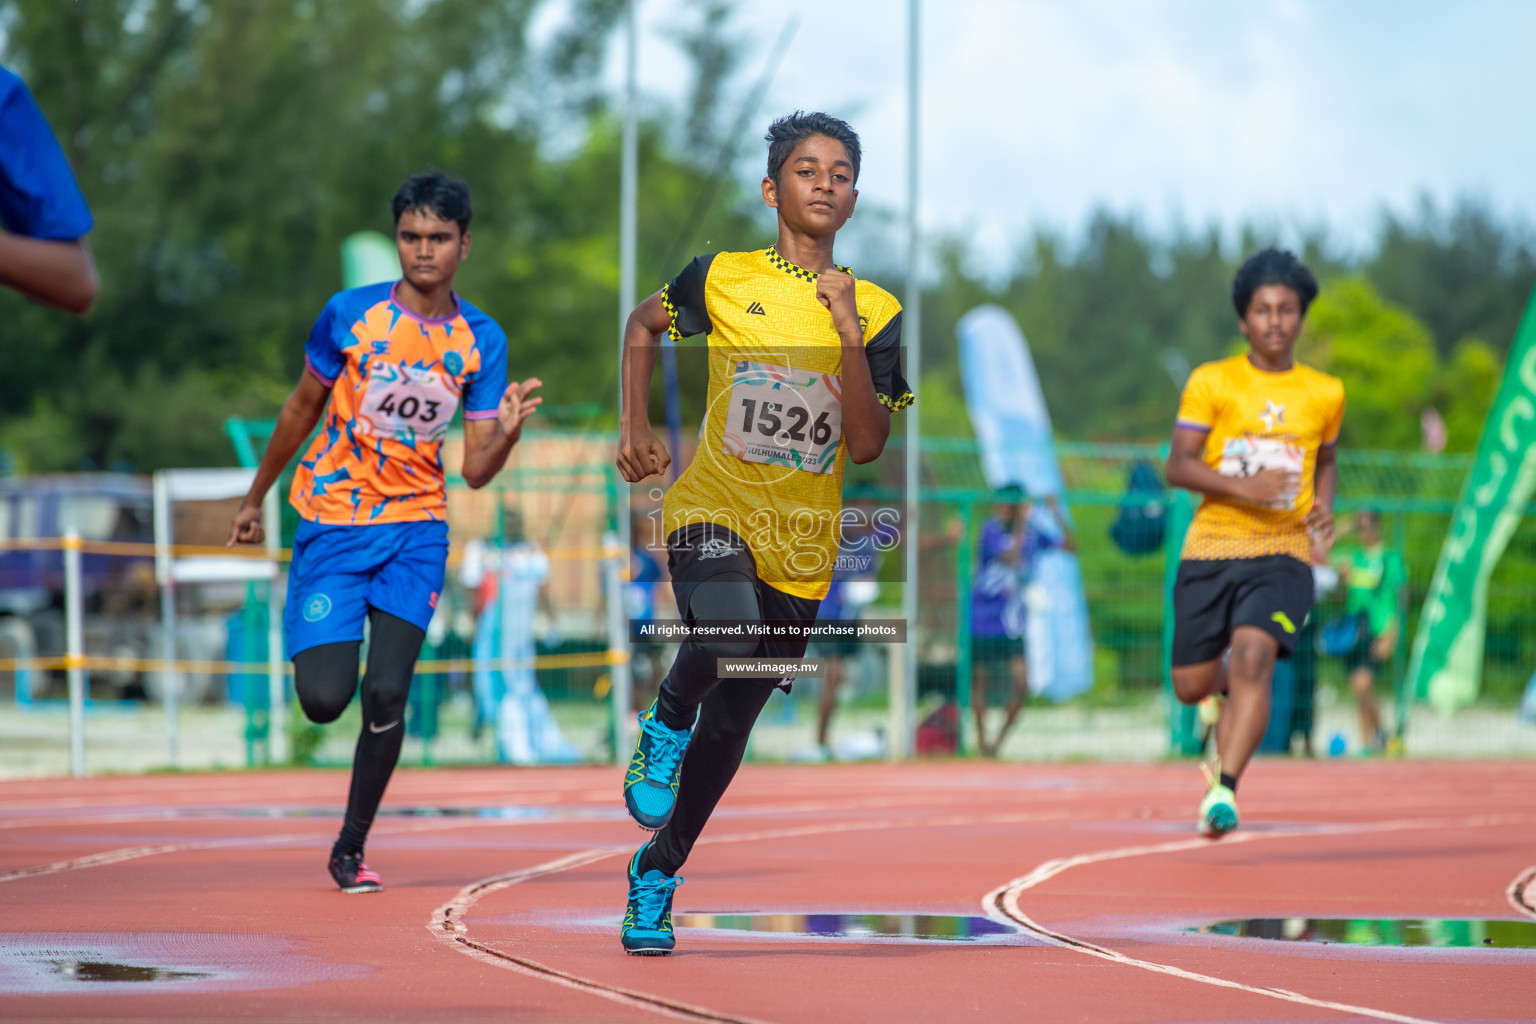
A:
[1013,431]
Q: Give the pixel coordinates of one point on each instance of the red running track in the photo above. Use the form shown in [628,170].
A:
[515,916]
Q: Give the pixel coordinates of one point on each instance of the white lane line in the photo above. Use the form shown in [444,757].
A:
[560,813]
[123,853]
[1002,903]
[1522,892]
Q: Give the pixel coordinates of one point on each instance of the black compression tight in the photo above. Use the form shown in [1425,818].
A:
[718,745]
[325,679]
[725,712]
[727,597]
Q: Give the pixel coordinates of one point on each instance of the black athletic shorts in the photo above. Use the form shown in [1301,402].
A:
[1212,597]
[995,650]
[699,552]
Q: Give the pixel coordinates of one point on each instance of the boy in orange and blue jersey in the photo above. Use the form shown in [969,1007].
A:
[394,362]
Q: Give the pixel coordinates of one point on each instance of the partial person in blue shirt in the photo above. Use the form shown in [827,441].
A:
[43,216]
[1010,543]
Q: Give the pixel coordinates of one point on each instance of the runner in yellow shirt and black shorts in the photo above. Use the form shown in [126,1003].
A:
[1256,435]
[804,373]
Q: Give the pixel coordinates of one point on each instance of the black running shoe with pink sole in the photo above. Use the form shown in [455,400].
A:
[353,875]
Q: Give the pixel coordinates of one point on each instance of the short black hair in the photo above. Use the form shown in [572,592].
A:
[435,192]
[1272,266]
[1013,493]
[789,131]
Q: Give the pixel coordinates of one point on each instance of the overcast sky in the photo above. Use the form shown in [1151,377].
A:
[1200,111]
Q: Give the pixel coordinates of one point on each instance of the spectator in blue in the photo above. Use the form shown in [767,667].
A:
[1005,555]
[43,216]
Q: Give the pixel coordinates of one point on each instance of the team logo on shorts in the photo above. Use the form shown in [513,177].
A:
[453,363]
[317,608]
[716,548]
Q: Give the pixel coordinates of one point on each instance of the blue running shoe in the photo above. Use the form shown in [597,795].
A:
[1218,811]
[647,927]
[650,787]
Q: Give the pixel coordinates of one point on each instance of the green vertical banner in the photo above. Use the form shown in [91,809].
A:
[1447,664]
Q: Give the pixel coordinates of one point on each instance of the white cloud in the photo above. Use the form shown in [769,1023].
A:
[1036,112]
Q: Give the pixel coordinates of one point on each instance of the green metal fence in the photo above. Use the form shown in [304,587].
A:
[1127,713]
[1128,600]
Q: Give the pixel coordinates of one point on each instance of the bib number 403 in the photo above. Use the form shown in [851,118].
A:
[409,407]
[771,418]
[407,404]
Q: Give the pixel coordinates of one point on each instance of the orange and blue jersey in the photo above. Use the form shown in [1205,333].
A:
[397,379]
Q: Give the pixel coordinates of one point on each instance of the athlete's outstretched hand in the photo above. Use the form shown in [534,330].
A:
[641,454]
[516,406]
[837,291]
[247,528]
[1320,524]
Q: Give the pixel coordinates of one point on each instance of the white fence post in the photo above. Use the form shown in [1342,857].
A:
[170,677]
[74,650]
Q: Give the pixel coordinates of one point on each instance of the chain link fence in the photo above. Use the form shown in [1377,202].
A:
[560,498]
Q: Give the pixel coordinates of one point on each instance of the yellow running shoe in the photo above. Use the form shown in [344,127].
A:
[1209,709]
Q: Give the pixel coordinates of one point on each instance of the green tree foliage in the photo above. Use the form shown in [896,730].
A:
[227,148]
[1384,356]
[1460,270]
[1112,318]
[1465,392]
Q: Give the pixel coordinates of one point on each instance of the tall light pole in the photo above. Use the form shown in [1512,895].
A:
[629,193]
[911,329]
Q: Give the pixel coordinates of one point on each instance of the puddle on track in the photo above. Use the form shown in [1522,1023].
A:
[909,927]
[96,971]
[1449,933]
[117,964]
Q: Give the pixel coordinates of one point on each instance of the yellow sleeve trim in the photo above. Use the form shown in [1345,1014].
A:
[896,404]
[666,303]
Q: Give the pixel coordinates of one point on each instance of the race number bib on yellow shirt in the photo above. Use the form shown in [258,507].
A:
[780,416]
[1245,456]
[406,404]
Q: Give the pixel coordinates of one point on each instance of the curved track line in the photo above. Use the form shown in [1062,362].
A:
[448,921]
[447,925]
[1522,892]
[1002,903]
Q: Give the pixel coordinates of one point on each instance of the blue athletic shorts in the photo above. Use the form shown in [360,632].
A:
[339,572]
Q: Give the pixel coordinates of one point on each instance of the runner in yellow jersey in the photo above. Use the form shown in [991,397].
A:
[804,372]
[1256,435]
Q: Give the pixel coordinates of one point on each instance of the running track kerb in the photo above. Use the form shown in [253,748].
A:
[516,918]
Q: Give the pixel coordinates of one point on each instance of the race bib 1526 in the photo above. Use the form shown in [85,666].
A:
[407,404]
[780,416]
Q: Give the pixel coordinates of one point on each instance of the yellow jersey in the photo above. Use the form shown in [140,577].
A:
[769,465]
[1255,420]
